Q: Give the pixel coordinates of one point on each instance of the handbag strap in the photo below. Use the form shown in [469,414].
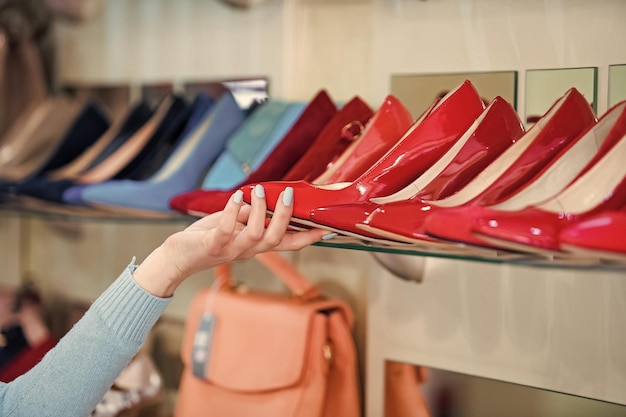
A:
[297,283]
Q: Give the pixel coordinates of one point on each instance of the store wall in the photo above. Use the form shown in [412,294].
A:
[349,47]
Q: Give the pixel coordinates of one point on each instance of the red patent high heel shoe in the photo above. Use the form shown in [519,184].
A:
[455,223]
[414,153]
[495,130]
[381,133]
[563,122]
[536,228]
[601,236]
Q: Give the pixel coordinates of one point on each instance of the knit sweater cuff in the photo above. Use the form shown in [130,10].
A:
[129,310]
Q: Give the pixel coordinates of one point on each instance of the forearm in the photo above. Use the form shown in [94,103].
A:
[73,376]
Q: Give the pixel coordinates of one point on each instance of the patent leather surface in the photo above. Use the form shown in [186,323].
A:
[573,117]
[602,187]
[602,235]
[418,149]
[533,228]
[562,124]
[455,223]
[384,129]
[496,129]
[337,135]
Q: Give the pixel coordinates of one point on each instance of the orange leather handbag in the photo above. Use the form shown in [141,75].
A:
[252,353]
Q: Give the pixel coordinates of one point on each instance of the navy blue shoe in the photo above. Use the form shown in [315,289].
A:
[91,123]
[137,117]
[182,171]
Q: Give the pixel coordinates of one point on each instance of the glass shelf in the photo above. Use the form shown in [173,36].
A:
[52,212]
[466,253]
[60,212]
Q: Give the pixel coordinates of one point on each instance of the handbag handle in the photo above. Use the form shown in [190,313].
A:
[297,283]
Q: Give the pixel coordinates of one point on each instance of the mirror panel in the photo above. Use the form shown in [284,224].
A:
[247,91]
[617,84]
[546,86]
[417,91]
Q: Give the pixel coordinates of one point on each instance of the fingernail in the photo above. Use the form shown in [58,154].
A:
[238,196]
[259,191]
[288,196]
[329,236]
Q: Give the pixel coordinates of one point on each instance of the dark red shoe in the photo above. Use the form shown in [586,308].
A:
[562,124]
[341,132]
[420,147]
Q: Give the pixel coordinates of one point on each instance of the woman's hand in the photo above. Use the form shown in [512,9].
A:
[238,232]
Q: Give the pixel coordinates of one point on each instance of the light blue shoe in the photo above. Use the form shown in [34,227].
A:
[183,169]
[252,143]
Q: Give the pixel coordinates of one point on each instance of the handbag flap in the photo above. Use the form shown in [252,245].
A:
[259,341]
[262,131]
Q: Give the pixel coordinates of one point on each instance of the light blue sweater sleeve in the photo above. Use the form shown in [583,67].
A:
[73,377]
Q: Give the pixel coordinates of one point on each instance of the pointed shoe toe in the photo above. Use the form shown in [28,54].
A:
[180,201]
[207,202]
[600,236]
[529,230]
[343,218]
[455,224]
[74,194]
[402,220]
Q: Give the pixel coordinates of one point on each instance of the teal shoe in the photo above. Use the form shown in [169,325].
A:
[252,143]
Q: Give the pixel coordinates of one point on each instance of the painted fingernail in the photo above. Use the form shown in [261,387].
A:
[329,236]
[288,196]
[259,191]
[238,196]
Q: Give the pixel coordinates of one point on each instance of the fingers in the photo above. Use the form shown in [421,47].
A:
[254,231]
[241,231]
[280,220]
[228,221]
[275,236]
